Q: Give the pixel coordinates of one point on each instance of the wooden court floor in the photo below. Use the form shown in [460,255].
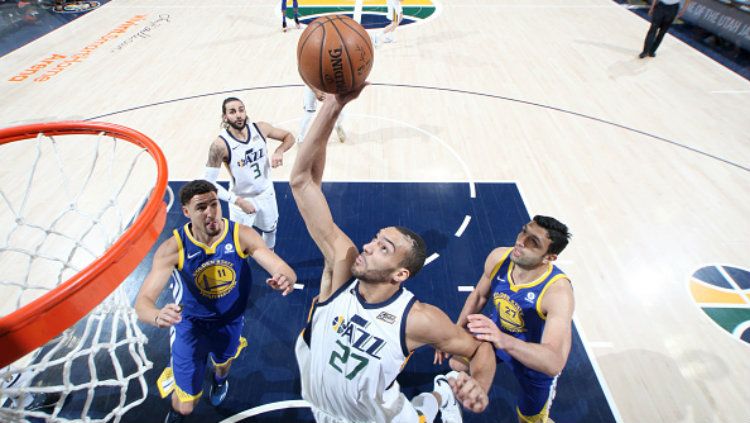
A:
[647,161]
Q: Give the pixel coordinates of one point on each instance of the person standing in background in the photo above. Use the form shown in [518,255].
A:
[663,13]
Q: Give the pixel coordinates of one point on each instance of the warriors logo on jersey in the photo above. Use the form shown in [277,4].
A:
[511,314]
[215,278]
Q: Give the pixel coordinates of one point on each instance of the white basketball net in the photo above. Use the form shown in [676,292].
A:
[62,204]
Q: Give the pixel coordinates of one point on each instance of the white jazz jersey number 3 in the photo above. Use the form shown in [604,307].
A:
[350,354]
[248,164]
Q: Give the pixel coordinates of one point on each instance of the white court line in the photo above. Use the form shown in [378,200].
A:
[299,286]
[459,160]
[465,288]
[598,373]
[431,258]
[463,226]
[587,348]
[265,408]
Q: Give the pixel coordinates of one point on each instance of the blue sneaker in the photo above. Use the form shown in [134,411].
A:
[218,392]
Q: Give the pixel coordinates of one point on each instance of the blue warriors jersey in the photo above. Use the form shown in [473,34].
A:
[517,308]
[212,282]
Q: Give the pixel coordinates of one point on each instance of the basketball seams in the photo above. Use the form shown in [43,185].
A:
[301,46]
[322,48]
[348,56]
[314,66]
[365,38]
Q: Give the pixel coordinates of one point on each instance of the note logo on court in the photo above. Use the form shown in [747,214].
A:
[374,13]
[723,293]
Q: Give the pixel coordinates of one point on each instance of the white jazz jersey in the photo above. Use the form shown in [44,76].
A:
[350,354]
[248,162]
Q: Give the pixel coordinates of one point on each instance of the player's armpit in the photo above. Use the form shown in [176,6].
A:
[165,260]
[338,266]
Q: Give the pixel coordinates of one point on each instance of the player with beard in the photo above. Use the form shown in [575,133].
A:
[243,149]
[207,259]
[530,325]
[364,324]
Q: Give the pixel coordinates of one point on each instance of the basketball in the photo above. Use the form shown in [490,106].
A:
[334,54]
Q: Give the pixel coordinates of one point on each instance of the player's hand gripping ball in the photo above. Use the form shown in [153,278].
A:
[334,54]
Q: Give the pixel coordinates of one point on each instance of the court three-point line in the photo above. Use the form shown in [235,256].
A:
[463,226]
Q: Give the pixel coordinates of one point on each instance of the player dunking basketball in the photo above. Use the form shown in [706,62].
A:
[208,261]
[243,149]
[364,324]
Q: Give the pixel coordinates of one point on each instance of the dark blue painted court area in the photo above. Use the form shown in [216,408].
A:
[267,371]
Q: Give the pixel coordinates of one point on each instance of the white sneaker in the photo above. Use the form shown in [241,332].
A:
[388,38]
[450,409]
[340,133]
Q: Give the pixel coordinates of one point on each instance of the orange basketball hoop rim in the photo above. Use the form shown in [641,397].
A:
[34,324]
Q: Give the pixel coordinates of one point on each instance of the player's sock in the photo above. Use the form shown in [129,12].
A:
[450,409]
[270,238]
[426,404]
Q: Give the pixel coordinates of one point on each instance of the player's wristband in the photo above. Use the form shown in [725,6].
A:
[211,175]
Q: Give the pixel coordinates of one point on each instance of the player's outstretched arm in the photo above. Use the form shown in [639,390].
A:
[165,260]
[282,277]
[306,179]
[427,324]
[286,138]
